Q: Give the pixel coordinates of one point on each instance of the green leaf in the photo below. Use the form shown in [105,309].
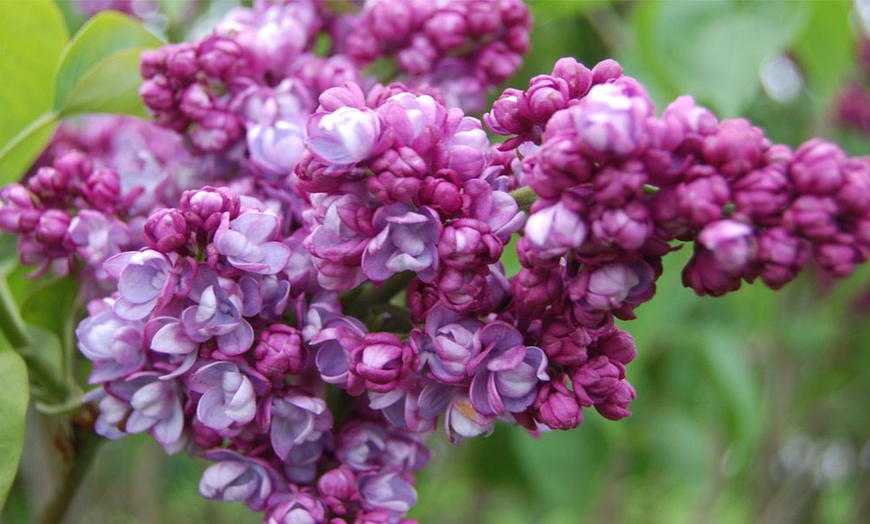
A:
[51,304]
[20,152]
[112,86]
[713,50]
[103,37]
[13,409]
[826,49]
[32,37]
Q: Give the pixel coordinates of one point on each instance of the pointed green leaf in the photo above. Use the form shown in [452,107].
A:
[32,37]
[13,409]
[112,86]
[826,50]
[102,37]
[50,305]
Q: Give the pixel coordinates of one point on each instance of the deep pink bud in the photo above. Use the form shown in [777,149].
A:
[557,407]
[577,76]
[53,227]
[103,188]
[280,351]
[166,230]
[816,167]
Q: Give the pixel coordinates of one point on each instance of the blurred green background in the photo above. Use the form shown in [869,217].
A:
[750,408]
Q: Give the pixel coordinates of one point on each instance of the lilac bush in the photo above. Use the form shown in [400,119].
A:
[300,276]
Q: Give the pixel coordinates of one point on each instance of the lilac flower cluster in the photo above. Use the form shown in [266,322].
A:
[242,75]
[462,48]
[618,185]
[308,323]
[194,349]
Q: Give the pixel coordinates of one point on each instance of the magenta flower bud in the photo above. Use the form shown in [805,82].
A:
[723,253]
[220,57]
[74,164]
[557,407]
[18,214]
[348,95]
[157,93]
[446,28]
[576,75]
[626,227]
[611,119]
[814,217]
[196,102]
[338,489]
[103,188]
[616,186]
[382,360]
[497,62]
[606,71]
[762,195]
[703,197]
[564,343]
[598,378]
[280,351]
[53,228]
[442,195]
[854,194]
[618,345]
[608,286]
[180,61]
[468,242]
[536,290]
[817,167]
[505,118]
[546,95]
[153,61]
[52,185]
[166,230]
[782,255]
[295,508]
[419,57]
[555,229]
[615,405]
[736,147]
[344,137]
[839,258]
[205,207]
[463,291]
[217,131]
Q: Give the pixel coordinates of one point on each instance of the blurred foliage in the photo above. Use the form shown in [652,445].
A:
[750,408]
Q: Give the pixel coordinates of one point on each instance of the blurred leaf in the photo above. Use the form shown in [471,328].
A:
[17,154]
[32,37]
[13,409]
[826,49]
[112,86]
[566,467]
[737,386]
[562,7]
[713,50]
[50,305]
[101,38]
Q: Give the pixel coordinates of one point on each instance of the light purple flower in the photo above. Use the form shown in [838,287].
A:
[219,313]
[113,344]
[382,360]
[228,395]
[461,420]
[248,243]
[448,345]
[295,508]
[236,478]
[344,137]
[506,372]
[556,229]
[146,281]
[406,242]
[156,406]
[389,491]
[297,419]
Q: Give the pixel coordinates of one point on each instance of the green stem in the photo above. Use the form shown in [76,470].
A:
[85,444]
[525,197]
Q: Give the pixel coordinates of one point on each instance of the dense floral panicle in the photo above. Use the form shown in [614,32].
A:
[462,48]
